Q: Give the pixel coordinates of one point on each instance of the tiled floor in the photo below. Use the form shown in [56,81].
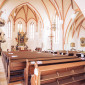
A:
[3,80]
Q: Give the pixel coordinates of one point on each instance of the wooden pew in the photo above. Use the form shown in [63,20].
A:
[73,53]
[46,63]
[63,52]
[15,71]
[59,74]
[15,65]
[69,53]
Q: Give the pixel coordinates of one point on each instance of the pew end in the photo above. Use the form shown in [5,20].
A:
[62,74]
[26,72]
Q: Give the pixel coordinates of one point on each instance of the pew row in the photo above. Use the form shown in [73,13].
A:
[59,74]
[14,66]
[30,66]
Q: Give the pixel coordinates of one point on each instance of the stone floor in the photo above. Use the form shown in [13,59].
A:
[3,80]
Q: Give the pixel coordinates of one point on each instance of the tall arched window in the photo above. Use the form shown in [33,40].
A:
[20,29]
[57,29]
[9,29]
[32,30]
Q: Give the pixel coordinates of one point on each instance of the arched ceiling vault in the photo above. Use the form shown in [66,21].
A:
[24,12]
[76,25]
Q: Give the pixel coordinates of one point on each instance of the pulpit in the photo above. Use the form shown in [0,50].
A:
[2,23]
[2,40]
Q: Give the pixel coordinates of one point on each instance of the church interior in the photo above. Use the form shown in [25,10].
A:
[42,42]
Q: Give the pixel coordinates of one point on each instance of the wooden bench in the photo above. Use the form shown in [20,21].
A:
[60,74]
[14,66]
[63,52]
[69,53]
[30,67]
[73,53]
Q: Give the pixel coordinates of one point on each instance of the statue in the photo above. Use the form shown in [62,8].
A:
[2,22]
[2,40]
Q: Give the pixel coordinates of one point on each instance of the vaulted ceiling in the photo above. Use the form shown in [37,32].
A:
[24,12]
[51,8]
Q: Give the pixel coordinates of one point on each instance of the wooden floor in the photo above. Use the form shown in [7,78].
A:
[3,80]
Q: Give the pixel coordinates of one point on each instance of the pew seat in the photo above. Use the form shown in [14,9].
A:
[59,74]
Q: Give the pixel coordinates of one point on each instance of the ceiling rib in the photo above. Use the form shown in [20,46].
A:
[72,3]
[2,3]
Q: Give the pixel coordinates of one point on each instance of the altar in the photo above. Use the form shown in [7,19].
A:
[21,41]
[22,47]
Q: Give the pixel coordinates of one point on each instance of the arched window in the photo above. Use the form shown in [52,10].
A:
[57,29]
[9,29]
[20,29]
[32,30]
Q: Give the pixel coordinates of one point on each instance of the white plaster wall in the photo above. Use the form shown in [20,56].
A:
[68,18]
[76,40]
[58,45]
[81,4]
[82,34]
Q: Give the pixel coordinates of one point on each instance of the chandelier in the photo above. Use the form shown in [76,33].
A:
[2,21]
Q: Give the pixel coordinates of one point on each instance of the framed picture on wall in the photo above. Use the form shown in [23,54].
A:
[82,42]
